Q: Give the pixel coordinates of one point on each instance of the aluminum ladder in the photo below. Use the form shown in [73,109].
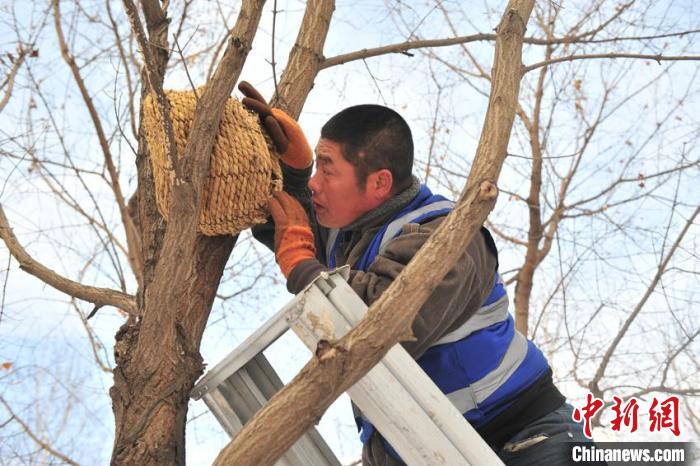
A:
[396,395]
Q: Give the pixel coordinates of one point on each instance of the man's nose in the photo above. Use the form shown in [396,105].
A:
[313,183]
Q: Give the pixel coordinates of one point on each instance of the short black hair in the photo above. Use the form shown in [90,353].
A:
[373,137]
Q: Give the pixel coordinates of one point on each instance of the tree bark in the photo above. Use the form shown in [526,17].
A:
[301,402]
[306,57]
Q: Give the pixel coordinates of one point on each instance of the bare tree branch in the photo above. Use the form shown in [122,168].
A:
[523,288]
[9,82]
[504,235]
[97,296]
[600,372]
[273,63]
[637,38]
[622,179]
[130,87]
[4,286]
[41,443]
[657,58]
[404,47]
[183,18]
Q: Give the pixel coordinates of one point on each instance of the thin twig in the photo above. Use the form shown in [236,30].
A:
[127,74]
[183,19]
[434,127]
[184,64]
[117,119]
[4,286]
[95,343]
[657,58]
[374,80]
[600,372]
[274,63]
[7,180]
[154,82]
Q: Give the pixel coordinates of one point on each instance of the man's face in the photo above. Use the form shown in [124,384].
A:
[337,199]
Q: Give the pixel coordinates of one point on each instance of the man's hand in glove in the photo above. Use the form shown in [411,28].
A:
[286,133]
[294,241]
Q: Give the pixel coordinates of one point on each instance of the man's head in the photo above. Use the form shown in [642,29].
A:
[364,156]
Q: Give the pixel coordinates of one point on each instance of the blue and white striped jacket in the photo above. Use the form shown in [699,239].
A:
[484,364]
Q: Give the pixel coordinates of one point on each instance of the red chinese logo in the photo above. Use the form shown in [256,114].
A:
[626,415]
[666,417]
[662,414]
[593,404]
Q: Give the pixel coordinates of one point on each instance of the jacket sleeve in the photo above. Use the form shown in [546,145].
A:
[458,296]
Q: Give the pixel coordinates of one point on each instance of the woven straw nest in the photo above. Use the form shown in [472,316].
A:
[244,169]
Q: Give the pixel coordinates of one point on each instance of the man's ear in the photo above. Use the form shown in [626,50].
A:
[381,183]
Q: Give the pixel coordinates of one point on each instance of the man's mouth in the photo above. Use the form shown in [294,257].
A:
[317,206]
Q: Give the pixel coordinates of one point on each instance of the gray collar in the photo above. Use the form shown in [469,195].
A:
[392,205]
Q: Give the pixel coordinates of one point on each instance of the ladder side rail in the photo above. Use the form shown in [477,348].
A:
[235,401]
[402,422]
[311,446]
[232,403]
[227,417]
[421,387]
[382,399]
[258,341]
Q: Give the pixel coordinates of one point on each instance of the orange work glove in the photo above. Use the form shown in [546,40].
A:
[285,132]
[294,241]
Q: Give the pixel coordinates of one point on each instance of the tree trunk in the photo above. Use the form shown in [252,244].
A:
[158,362]
[523,287]
[533,256]
[157,352]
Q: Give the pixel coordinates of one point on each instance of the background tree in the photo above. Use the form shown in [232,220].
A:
[587,192]
[600,191]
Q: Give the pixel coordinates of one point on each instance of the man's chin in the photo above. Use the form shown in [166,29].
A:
[320,220]
[324,221]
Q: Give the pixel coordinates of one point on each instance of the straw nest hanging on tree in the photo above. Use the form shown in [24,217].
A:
[244,169]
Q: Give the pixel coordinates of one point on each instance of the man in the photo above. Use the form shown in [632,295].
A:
[367,210]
